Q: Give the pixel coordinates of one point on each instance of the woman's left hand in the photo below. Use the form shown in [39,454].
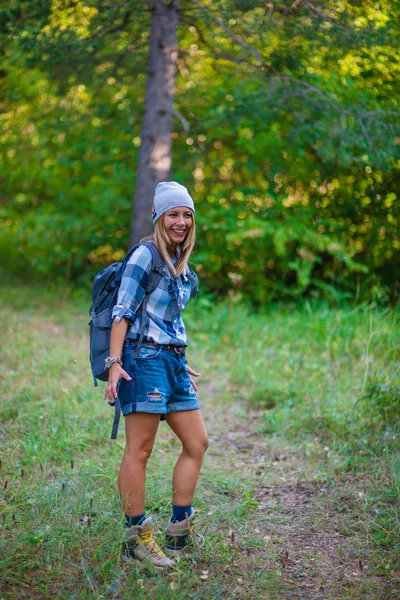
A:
[193,374]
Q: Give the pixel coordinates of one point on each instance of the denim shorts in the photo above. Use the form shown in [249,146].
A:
[160,383]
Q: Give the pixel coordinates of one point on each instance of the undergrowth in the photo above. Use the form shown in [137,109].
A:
[323,383]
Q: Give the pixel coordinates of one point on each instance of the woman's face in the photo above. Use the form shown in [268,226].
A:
[177,222]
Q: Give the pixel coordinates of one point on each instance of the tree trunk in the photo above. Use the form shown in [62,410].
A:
[155,151]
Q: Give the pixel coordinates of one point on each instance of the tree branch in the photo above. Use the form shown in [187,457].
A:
[304,84]
[258,56]
[229,31]
[218,55]
[182,119]
[123,23]
[215,53]
[192,23]
[92,35]
[323,15]
[107,6]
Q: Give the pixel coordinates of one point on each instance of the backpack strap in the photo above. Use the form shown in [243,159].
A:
[157,265]
[194,284]
[117,415]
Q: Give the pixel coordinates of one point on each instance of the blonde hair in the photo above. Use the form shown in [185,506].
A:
[162,241]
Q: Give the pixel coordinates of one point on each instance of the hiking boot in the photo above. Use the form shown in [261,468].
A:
[179,535]
[140,545]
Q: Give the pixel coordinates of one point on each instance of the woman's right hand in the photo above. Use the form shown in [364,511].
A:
[114,375]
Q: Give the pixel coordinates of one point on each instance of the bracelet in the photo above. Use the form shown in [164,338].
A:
[110,361]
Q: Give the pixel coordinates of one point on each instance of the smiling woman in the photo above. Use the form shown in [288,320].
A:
[151,378]
[175,231]
[177,223]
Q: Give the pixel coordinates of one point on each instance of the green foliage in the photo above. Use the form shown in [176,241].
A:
[293,158]
[382,400]
[326,373]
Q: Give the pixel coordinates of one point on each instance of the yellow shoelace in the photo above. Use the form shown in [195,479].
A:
[146,538]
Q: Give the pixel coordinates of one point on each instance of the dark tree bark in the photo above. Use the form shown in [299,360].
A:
[155,158]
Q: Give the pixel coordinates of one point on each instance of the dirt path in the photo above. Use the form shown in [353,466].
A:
[306,536]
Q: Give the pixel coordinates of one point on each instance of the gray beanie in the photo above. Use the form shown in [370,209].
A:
[170,194]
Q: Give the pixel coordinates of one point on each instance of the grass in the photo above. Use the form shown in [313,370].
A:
[299,492]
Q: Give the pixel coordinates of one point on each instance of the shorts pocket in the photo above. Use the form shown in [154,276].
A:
[146,352]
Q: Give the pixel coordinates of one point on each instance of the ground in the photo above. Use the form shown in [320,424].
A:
[299,530]
[298,495]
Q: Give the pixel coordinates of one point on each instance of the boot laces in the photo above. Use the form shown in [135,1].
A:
[147,539]
[193,533]
[191,527]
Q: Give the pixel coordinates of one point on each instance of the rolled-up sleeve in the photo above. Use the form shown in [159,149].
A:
[133,285]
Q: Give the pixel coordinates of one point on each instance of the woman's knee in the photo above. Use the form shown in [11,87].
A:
[205,444]
[196,448]
[140,453]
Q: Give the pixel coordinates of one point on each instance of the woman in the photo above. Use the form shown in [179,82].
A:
[153,382]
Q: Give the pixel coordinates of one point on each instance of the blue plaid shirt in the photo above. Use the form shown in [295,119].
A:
[162,325]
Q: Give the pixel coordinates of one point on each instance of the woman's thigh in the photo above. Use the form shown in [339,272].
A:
[141,429]
[189,426]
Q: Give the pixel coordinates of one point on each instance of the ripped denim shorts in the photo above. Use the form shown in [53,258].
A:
[160,383]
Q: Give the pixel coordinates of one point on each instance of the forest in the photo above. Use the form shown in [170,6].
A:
[284,125]
[282,119]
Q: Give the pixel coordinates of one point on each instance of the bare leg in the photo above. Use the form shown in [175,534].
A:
[141,429]
[189,427]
